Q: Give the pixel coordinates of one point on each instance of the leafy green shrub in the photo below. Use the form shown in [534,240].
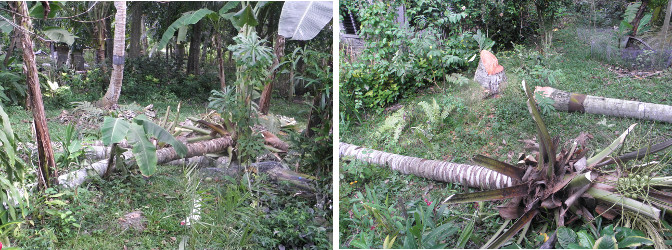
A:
[14,200]
[13,89]
[145,78]
[397,60]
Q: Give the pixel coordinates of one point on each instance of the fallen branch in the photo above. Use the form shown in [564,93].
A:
[573,102]
[469,175]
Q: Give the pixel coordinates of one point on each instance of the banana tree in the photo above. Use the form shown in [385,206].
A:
[298,21]
[114,130]
[557,180]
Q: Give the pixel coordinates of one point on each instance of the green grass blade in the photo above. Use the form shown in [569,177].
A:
[496,194]
[611,148]
[500,167]
[466,234]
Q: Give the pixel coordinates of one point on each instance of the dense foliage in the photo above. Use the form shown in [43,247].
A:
[400,57]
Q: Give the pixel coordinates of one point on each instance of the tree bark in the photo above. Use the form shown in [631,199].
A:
[109,43]
[573,102]
[100,30]
[136,30]
[666,23]
[279,49]
[179,55]
[164,155]
[204,48]
[114,90]
[194,50]
[46,153]
[220,61]
[638,17]
[10,50]
[472,176]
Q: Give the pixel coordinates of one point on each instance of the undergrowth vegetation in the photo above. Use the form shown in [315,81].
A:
[380,208]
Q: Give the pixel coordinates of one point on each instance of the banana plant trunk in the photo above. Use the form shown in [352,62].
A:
[469,175]
[279,49]
[573,102]
[46,153]
[114,90]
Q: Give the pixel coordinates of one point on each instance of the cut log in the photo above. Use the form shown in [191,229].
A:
[76,178]
[489,74]
[468,175]
[573,102]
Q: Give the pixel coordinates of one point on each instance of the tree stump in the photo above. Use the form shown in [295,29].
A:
[489,74]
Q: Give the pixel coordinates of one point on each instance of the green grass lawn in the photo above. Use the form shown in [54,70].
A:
[493,127]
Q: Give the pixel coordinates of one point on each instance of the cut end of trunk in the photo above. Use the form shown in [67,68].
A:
[545,91]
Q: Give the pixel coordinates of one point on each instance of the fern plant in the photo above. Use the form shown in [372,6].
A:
[396,122]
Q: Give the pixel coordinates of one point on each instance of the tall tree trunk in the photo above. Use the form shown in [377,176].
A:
[194,49]
[220,61]
[144,43]
[472,176]
[136,30]
[279,49]
[179,56]
[46,153]
[204,48]
[573,102]
[666,23]
[114,90]
[99,33]
[638,17]
[109,43]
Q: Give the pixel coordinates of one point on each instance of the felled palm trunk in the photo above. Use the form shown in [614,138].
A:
[46,153]
[472,176]
[573,102]
[164,155]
